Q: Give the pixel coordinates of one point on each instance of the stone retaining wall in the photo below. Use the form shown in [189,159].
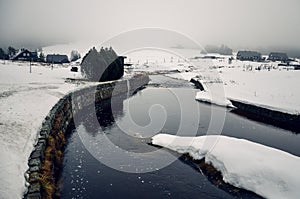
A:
[54,127]
[275,118]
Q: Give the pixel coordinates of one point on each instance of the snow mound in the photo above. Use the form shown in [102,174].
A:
[183,75]
[266,171]
[205,96]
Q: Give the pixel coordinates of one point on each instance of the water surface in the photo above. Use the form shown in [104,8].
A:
[110,157]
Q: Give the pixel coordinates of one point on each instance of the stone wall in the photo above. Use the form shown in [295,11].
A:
[276,118]
[268,116]
[47,153]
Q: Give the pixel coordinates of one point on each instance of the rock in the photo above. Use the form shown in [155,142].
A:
[37,154]
[34,188]
[34,162]
[33,177]
[197,84]
[34,169]
[34,196]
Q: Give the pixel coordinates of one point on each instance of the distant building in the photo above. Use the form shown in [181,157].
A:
[57,59]
[275,56]
[25,55]
[249,56]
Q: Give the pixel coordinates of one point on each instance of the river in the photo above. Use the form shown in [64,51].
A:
[111,158]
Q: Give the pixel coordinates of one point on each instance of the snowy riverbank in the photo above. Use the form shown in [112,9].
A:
[266,171]
[273,89]
[25,100]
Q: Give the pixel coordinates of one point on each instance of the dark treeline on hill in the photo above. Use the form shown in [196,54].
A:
[222,50]
[6,54]
[3,54]
[104,65]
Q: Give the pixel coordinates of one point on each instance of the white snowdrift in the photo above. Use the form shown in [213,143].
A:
[205,96]
[266,171]
[184,75]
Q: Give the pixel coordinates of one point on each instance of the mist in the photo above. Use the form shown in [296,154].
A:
[237,23]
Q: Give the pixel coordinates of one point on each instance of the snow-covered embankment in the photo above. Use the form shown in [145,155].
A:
[266,171]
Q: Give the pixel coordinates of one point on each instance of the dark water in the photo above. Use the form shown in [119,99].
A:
[108,155]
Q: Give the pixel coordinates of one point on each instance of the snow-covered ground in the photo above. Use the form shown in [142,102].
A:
[25,100]
[266,171]
[206,96]
[273,87]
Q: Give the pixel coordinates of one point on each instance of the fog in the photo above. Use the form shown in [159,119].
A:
[237,23]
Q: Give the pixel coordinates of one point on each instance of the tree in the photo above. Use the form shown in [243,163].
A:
[11,51]
[75,55]
[102,66]
[3,55]
[41,57]
[222,50]
[90,65]
[225,50]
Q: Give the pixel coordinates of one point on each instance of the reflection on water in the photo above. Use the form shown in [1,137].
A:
[86,177]
[117,138]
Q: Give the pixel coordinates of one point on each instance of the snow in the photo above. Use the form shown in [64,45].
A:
[25,100]
[184,75]
[275,89]
[266,171]
[272,87]
[220,100]
[152,60]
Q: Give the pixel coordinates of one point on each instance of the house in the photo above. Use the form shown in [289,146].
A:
[249,56]
[25,55]
[57,59]
[276,56]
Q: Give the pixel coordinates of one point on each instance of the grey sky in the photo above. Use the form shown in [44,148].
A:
[233,22]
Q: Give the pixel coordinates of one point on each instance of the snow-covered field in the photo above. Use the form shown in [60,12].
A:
[273,87]
[25,100]
[266,171]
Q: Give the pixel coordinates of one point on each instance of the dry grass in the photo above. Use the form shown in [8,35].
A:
[58,157]
[47,166]
[51,141]
[53,160]
[47,181]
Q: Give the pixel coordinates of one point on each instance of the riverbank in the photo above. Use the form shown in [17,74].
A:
[258,112]
[266,95]
[268,172]
[25,101]
[45,161]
